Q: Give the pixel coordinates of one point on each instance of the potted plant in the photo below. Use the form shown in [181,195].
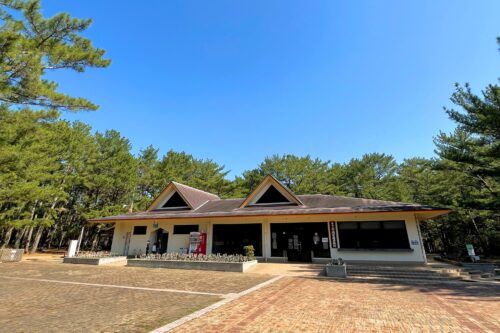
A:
[249,251]
[336,268]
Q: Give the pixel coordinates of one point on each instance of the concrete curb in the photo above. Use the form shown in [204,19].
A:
[194,265]
[95,261]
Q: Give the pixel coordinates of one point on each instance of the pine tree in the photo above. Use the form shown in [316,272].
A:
[31,46]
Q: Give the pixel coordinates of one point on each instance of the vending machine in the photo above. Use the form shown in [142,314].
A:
[197,242]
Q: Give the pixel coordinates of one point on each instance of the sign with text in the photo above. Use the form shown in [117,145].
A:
[333,234]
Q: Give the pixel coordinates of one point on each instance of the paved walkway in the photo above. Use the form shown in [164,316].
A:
[159,278]
[295,304]
[288,269]
[55,297]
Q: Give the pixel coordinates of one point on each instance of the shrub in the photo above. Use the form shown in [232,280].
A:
[196,257]
[249,251]
[96,254]
[336,262]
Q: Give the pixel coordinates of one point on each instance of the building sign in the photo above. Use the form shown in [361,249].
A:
[324,241]
[470,249]
[155,225]
[333,234]
[414,242]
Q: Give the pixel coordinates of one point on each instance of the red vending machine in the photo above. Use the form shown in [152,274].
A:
[202,245]
[198,242]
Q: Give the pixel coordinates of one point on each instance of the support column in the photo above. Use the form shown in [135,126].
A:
[266,237]
[420,238]
[210,236]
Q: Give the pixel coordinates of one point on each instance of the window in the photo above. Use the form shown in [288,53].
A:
[140,230]
[272,195]
[373,235]
[231,238]
[175,202]
[185,229]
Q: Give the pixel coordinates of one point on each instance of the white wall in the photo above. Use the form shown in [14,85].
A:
[138,242]
[178,243]
[175,242]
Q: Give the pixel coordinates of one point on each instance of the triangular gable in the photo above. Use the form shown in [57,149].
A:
[175,201]
[176,193]
[271,192]
[272,195]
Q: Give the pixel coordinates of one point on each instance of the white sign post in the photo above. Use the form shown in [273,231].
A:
[73,244]
[471,252]
[470,249]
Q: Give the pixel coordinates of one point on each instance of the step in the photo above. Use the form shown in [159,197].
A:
[419,273]
[406,276]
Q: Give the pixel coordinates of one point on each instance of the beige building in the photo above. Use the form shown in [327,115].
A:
[280,225]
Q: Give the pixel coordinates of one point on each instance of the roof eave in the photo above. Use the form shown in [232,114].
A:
[423,214]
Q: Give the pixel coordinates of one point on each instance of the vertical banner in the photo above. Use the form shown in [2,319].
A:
[333,234]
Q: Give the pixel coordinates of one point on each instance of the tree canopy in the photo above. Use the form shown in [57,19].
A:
[31,45]
[55,175]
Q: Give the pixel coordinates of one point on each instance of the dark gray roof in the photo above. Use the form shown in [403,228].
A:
[195,197]
[313,204]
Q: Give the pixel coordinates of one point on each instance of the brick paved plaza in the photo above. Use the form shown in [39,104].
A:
[318,305]
[291,304]
[43,306]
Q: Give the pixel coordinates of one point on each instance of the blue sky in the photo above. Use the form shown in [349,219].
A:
[235,81]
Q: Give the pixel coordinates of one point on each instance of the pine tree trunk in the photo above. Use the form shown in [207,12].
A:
[51,230]
[7,237]
[63,236]
[38,235]
[94,242]
[30,232]
[50,236]
[28,240]
[19,237]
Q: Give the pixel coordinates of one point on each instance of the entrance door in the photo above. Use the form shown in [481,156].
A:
[164,242]
[298,241]
[161,241]
[127,244]
[298,248]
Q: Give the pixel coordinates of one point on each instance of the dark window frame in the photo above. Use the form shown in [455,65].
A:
[140,230]
[231,238]
[373,238]
[185,229]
